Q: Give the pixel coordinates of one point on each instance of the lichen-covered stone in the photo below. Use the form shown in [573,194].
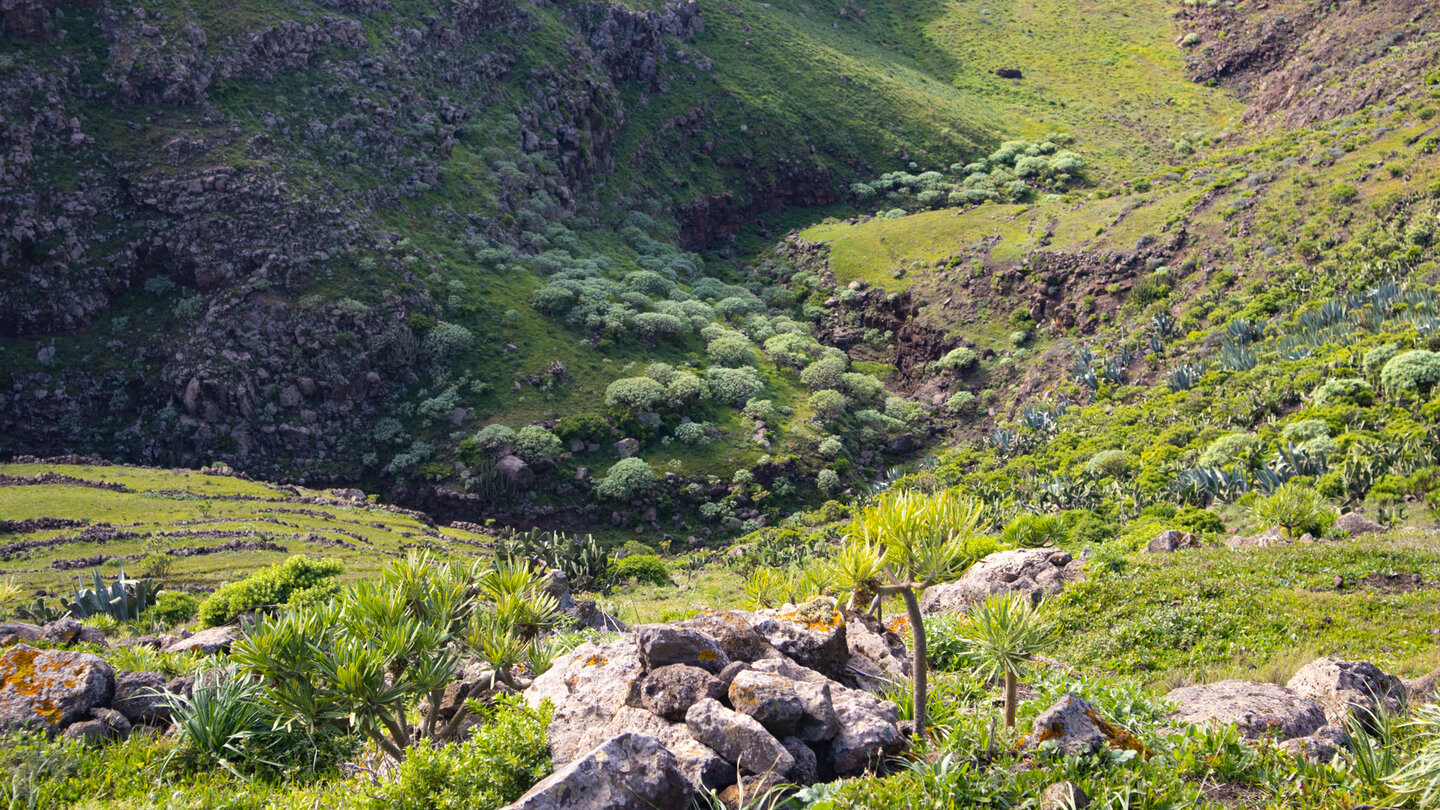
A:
[50,689]
[1076,727]
[738,738]
[1349,689]
[626,772]
[1256,709]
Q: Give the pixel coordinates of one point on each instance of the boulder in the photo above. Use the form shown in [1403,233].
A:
[18,633]
[701,766]
[1064,796]
[740,739]
[1171,540]
[1271,537]
[137,696]
[50,689]
[587,688]
[868,732]
[627,447]
[818,722]
[670,691]
[515,471]
[733,632]
[812,634]
[878,656]
[1035,572]
[1322,746]
[626,772]
[663,644]
[769,698]
[1256,709]
[1354,523]
[1349,689]
[104,726]
[68,631]
[208,641]
[1076,727]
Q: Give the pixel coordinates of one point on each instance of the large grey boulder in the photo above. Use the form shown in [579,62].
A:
[1354,523]
[1265,539]
[771,699]
[869,732]
[812,634]
[701,766]
[732,630]
[661,645]
[138,697]
[104,726]
[1034,572]
[514,470]
[587,688]
[48,690]
[1322,746]
[1076,727]
[818,722]
[740,739]
[877,655]
[1171,540]
[671,690]
[19,633]
[69,631]
[626,772]
[208,641]
[1255,709]
[1349,689]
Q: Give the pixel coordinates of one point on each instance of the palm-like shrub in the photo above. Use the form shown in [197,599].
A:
[1293,507]
[911,541]
[1035,531]
[1419,778]
[365,659]
[1005,633]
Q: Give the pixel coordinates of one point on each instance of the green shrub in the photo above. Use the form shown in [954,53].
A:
[692,433]
[1087,528]
[824,373]
[1295,508]
[642,568]
[1304,430]
[829,404]
[495,439]
[446,341]
[501,760]
[1110,464]
[731,351]
[632,548]
[635,393]
[175,608]
[959,401]
[1351,391]
[1034,531]
[1229,449]
[827,481]
[272,587]
[1378,357]
[629,478]
[534,443]
[733,385]
[590,427]
[1195,520]
[1416,370]
[958,359]
[830,447]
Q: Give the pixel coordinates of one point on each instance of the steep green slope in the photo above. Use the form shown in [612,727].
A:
[248,236]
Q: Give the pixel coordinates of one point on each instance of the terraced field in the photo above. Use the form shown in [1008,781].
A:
[57,520]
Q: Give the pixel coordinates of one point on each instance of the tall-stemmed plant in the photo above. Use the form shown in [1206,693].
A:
[1003,634]
[909,541]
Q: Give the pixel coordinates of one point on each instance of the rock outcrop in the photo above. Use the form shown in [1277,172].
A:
[1075,727]
[1255,709]
[1349,689]
[722,699]
[1035,572]
[627,772]
[48,690]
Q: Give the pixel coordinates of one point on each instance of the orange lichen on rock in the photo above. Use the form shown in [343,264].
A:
[818,615]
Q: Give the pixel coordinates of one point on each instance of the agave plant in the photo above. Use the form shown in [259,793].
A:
[1164,325]
[1115,371]
[1243,332]
[123,600]
[1235,356]
[1185,377]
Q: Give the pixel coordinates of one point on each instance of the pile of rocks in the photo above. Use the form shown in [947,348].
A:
[1035,572]
[732,702]
[79,696]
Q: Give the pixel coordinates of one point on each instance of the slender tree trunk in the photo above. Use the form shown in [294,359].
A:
[1010,699]
[918,661]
